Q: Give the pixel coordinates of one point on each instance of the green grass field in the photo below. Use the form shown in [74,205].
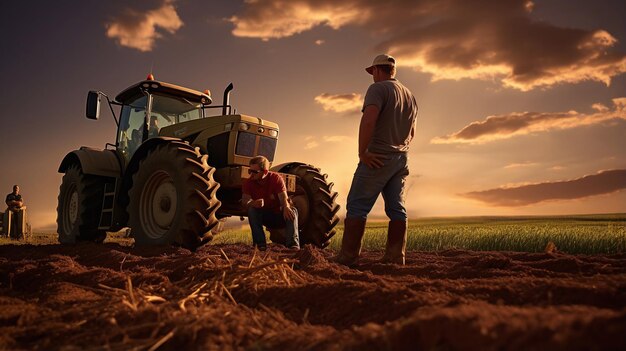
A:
[572,234]
[588,234]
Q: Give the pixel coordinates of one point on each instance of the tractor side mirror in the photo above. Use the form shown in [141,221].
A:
[93,105]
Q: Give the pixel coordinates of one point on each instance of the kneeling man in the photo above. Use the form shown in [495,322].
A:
[265,196]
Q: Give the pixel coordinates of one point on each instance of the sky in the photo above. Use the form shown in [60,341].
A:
[522,104]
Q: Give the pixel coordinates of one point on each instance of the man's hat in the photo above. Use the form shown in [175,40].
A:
[383,59]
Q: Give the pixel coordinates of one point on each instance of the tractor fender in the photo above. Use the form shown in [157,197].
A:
[93,161]
[283,167]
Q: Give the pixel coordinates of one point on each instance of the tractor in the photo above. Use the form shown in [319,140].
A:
[176,170]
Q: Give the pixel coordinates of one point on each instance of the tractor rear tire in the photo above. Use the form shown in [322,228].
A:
[79,205]
[172,198]
[317,205]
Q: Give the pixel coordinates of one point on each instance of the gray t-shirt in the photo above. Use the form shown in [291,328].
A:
[397,116]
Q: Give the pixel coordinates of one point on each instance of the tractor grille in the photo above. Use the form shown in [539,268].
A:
[246,145]
[267,147]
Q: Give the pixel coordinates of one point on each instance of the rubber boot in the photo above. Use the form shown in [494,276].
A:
[353,231]
[395,250]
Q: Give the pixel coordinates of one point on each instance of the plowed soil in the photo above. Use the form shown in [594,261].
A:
[226,297]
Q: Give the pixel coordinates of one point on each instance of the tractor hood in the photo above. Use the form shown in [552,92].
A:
[217,124]
[228,140]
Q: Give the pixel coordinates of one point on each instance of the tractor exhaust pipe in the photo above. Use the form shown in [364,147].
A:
[226,99]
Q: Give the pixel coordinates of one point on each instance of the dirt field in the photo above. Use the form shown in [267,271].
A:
[230,297]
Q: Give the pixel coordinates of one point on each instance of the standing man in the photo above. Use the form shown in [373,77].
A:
[14,200]
[265,197]
[14,216]
[387,127]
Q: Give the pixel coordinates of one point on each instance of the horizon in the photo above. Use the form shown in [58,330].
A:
[522,103]
[242,225]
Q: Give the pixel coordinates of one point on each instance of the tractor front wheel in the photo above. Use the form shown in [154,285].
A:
[172,199]
[78,211]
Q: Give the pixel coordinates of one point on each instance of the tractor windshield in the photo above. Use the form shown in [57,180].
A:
[170,110]
[165,111]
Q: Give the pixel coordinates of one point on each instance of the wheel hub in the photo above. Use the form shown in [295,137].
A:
[165,203]
[70,210]
[158,204]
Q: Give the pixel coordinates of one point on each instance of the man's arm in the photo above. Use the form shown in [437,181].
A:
[366,130]
[284,202]
[246,201]
[14,203]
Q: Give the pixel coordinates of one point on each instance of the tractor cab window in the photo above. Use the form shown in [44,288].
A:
[130,134]
[168,110]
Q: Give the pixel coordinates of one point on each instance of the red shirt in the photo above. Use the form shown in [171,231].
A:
[267,189]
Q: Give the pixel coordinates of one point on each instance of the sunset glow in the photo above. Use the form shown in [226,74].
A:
[522,105]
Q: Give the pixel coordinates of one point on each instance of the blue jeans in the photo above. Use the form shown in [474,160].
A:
[259,217]
[368,183]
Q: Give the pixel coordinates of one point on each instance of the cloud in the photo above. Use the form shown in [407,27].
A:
[519,123]
[452,39]
[603,182]
[620,104]
[311,145]
[335,138]
[340,102]
[138,29]
[270,19]
[599,107]
[520,165]
[311,142]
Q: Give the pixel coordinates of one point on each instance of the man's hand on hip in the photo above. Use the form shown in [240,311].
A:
[372,160]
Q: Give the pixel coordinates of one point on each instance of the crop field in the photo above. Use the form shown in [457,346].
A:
[589,234]
[468,284]
[571,234]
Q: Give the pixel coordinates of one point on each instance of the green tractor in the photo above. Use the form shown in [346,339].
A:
[175,172]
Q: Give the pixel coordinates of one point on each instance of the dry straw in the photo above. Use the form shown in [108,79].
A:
[216,279]
[258,273]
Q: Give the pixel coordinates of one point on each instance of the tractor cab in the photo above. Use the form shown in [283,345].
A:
[151,105]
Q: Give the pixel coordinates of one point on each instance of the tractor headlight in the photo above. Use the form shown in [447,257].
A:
[273,133]
[151,85]
[244,126]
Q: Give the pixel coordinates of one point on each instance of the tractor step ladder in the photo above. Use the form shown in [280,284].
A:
[108,202]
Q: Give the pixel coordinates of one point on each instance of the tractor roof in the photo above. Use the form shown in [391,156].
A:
[155,86]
